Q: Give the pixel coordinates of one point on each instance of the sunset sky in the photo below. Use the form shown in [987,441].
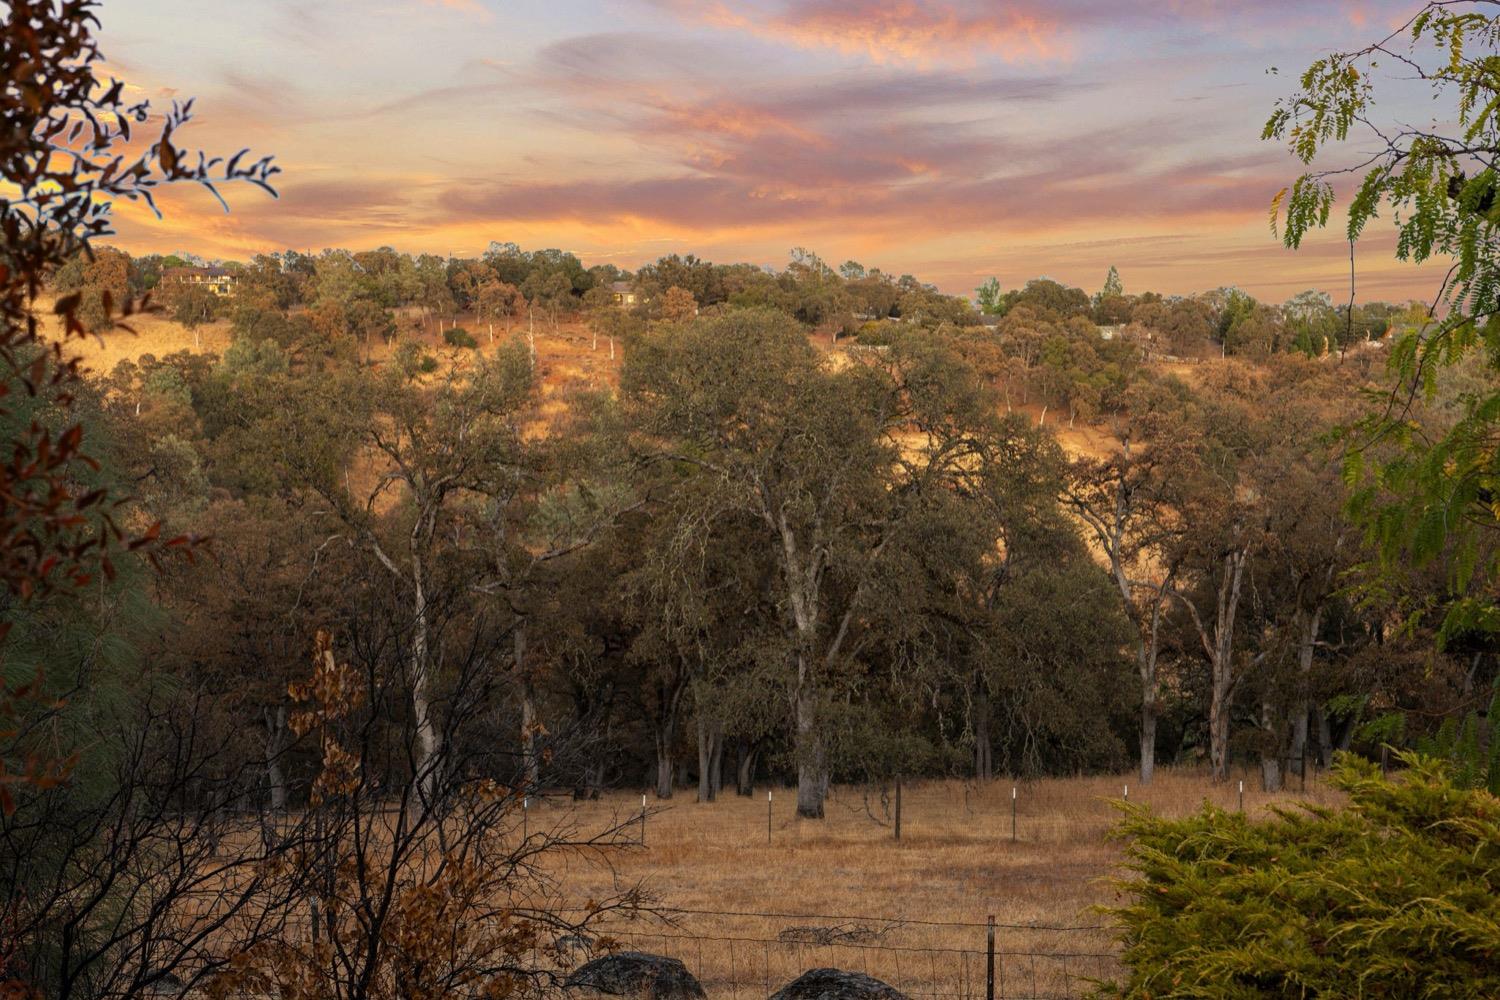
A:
[952,139]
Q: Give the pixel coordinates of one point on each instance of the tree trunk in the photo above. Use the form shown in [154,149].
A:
[984,764]
[1325,737]
[1148,741]
[1147,648]
[1218,733]
[276,743]
[744,779]
[669,692]
[428,740]
[716,764]
[526,690]
[1220,649]
[665,765]
[1270,754]
[810,757]
[707,738]
[1306,645]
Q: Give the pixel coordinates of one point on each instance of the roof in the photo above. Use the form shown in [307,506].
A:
[191,272]
[622,287]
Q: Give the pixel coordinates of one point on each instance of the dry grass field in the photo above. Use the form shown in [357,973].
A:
[752,915]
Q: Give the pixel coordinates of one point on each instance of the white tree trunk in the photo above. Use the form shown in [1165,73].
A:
[428,741]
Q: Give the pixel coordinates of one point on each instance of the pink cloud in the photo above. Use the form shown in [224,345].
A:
[462,6]
[922,32]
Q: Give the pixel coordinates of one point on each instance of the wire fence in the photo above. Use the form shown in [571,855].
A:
[740,955]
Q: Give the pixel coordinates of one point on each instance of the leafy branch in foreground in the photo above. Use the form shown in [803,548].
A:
[1424,487]
[1394,895]
[61,168]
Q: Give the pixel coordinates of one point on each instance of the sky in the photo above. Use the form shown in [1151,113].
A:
[949,139]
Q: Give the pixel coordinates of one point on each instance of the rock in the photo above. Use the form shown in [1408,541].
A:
[836,984]
[636,974]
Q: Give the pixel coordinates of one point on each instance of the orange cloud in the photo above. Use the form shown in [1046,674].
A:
[463,6]
[915,32]
[922,32]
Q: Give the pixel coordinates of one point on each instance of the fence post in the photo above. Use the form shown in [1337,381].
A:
[989,968]
[643,820]
[525,818]
[768,816]
[1242,795]
[1012,814]
[898,807]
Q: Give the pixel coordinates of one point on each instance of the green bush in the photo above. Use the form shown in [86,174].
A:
[457,336]
[1395,895]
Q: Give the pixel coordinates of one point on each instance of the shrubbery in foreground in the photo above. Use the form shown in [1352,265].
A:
[1395,895]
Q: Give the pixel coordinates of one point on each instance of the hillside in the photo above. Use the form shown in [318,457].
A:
[568,359]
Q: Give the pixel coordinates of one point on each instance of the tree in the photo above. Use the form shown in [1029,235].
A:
[438,442]
[1112,286]
[678,305]
[989,297]
[1419,493]
[192,306]
[495,298]
[368,321]
[1130,503]
[813,458]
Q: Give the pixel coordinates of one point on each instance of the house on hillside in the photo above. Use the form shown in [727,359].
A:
[1111,332]
[219,280]
[623,294]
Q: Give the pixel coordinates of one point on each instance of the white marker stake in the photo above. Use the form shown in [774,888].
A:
[1127,793]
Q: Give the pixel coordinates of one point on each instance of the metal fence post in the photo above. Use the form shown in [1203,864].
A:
[1013,813]
[1242,795]
[989,968]
[768,816]
[898,807]
[643,820]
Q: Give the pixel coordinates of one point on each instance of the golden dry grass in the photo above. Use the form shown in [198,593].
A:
[955,865]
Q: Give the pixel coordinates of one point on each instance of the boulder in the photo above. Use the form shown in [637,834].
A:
[836,984]
[636,974]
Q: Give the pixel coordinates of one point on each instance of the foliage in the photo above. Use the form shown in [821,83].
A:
[457,336]
[1457,742]
[57,156]
[1394,895]
[988,296]
[1421,490]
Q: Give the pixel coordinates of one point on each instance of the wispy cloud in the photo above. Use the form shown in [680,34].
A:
[948,138]
[923,32]
[463,6]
